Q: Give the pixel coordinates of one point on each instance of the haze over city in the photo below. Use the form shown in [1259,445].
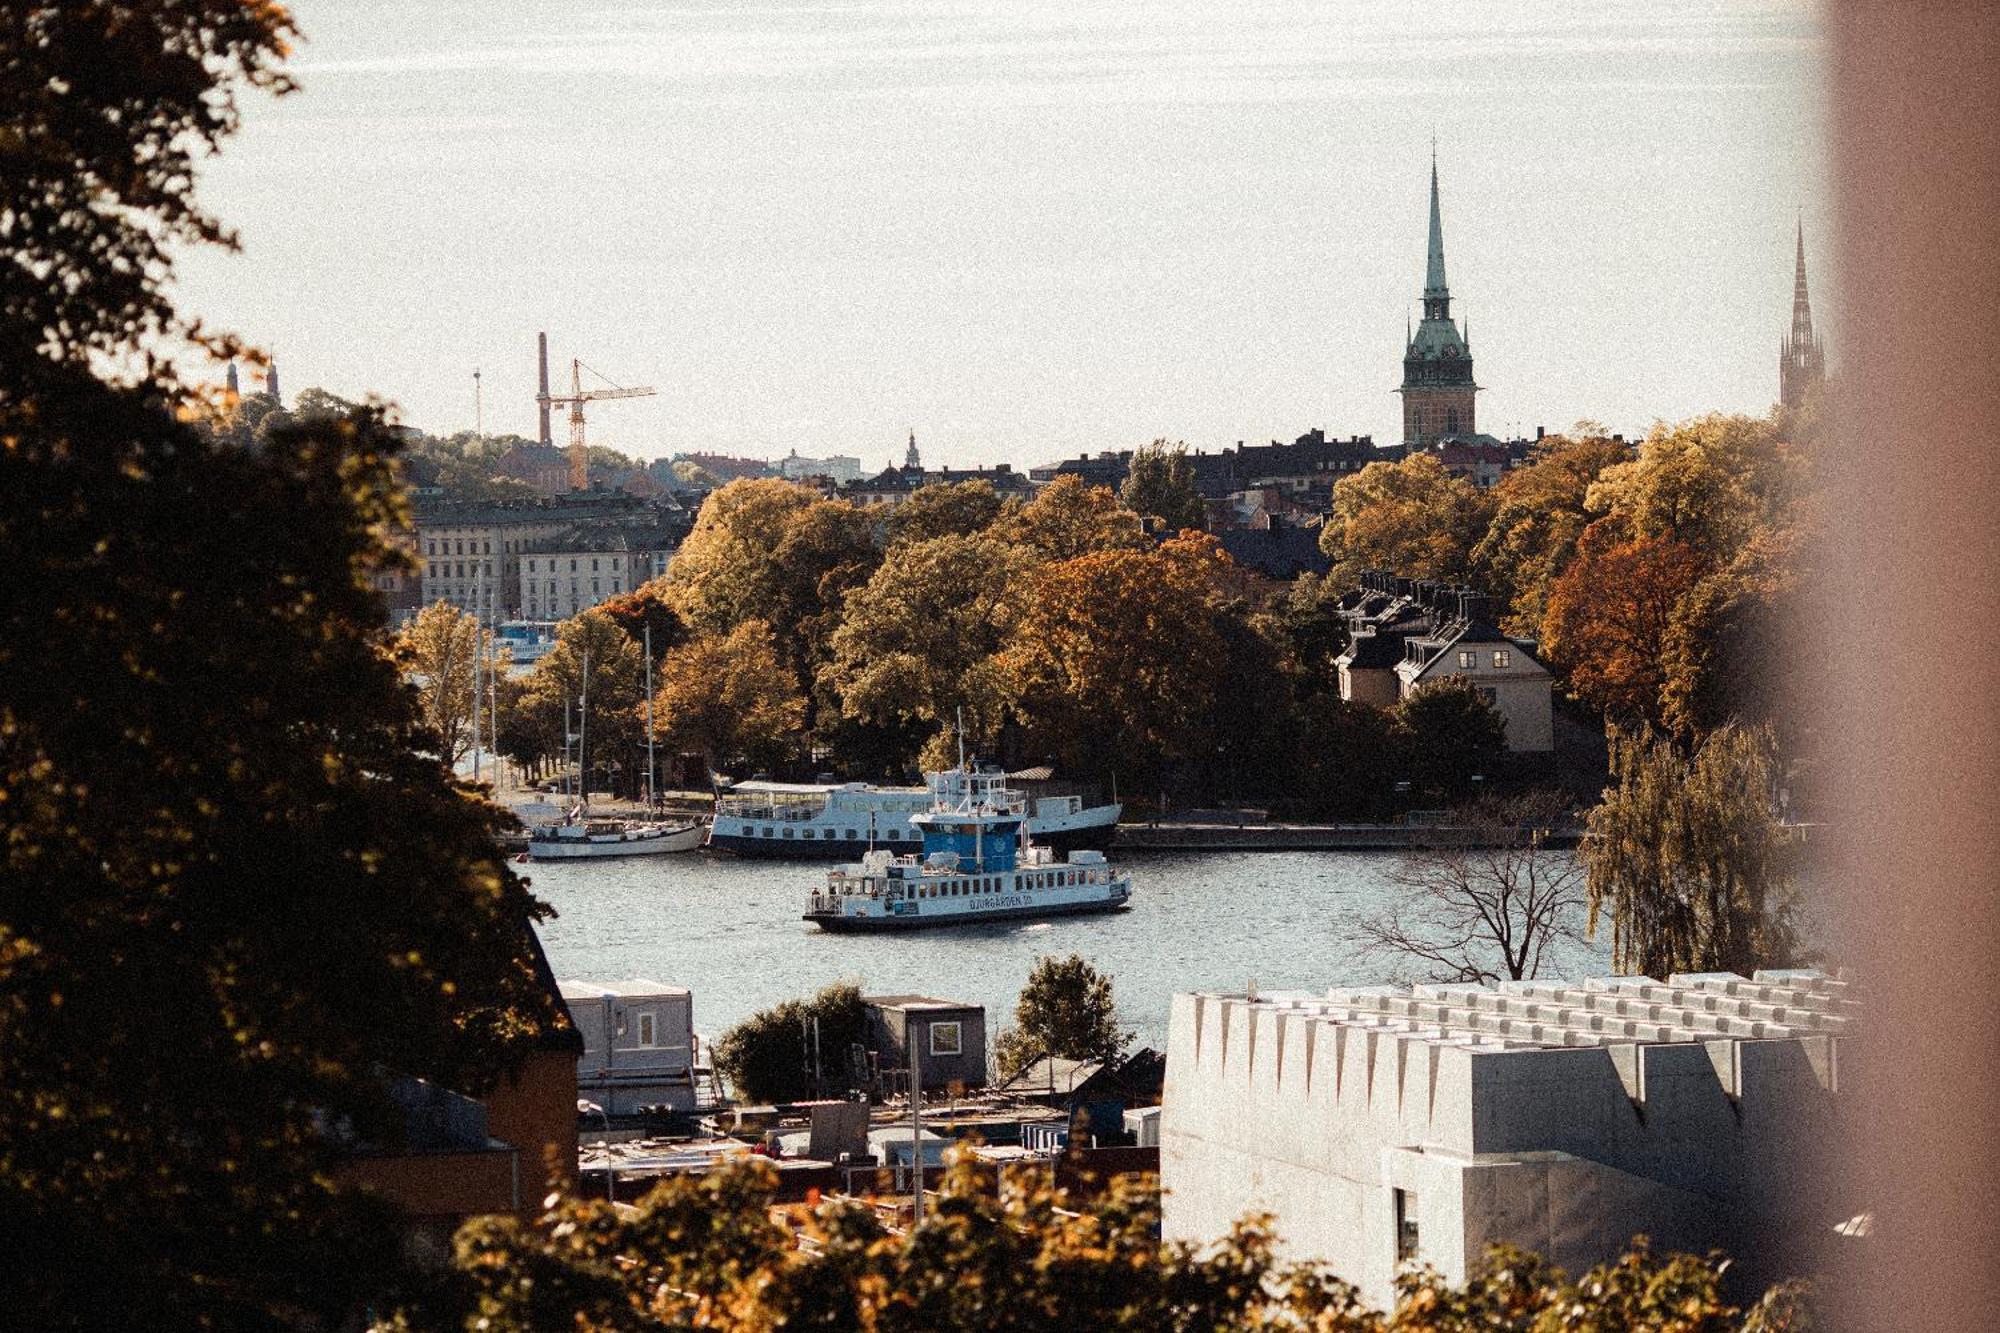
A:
[1024,231]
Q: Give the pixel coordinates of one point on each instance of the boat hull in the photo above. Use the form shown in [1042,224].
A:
[1086,837]
[834,923]
[577,849]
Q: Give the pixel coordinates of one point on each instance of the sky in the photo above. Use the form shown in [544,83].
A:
[1024,230]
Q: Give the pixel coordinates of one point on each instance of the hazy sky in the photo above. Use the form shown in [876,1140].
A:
[1024,229]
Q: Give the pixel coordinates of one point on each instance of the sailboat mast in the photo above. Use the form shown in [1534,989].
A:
[478,581]
[583,735]
[651,800]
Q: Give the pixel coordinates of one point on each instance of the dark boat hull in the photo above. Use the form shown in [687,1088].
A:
[851,925]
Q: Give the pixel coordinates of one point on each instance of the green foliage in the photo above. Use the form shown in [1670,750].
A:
[959,509]
[1065,1010]
[766,1057]
[1012,1254]
[1689,858]
[613,749]
[236,885]
[441,647]
[1444,735]
[1160,483]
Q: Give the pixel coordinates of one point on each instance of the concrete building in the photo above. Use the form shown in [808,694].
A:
[837,468]
[587,565]
[638,1044]
[949,1036]
[471,550]
[1384,1126]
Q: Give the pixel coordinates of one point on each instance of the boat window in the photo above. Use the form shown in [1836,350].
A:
[764,832]
[850,835]
[788,833]
[807,834]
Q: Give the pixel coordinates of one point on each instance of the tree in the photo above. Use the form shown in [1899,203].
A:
[796,1050]
[237,890]
[439,648]
[1065,1010]
[958,509]
[1712,484]
[1160,483]
[1306,613]
[920,639]
[708,1252]
[591,649]
[727,697]
[1539,513]
[1485,897]
[1608,619]
[1117,657]
[1446,734]
[1068,518]
[1690,858]
[1725,633]
[648,608]
[1412,518]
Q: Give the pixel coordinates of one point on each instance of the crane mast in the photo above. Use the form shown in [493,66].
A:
[579,454]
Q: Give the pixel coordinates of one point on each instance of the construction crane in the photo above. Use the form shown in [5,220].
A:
[579,456]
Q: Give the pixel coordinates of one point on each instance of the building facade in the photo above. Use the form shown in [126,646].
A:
[949,1037]
[472,552]
[1801,355]
[1385,1127]
[638,1044]
[1437,388]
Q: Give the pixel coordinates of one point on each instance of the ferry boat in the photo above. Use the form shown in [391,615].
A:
[834,821]
[976,865]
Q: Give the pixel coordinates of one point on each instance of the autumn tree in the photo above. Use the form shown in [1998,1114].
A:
[1711,484]
[1539,513]
[591,650]
[1608,621]
[440,648]
[1066,1010]
[647,611]
[957,509]
[1725,633]
[708,1251]
[1160,484]
[1485,896]
[1689,858]
[1069,518]
[1411,517]
[238,891]
[1446,735]
[1117,655]
[728,697]
[921,639]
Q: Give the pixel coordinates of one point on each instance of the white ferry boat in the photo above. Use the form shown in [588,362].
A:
[835,821]
[975,866]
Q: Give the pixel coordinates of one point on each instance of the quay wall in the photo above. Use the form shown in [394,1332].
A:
[1303,837]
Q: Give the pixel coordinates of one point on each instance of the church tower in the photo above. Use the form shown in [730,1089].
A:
[1437,362]
[1801,355]
[911,458]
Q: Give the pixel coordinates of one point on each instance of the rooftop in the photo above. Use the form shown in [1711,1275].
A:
[1597,1011]
[634,988]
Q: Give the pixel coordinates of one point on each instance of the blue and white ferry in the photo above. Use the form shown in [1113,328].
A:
[976,865]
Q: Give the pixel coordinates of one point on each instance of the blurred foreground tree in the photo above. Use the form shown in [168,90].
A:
[1689,857]
[705,1252]
[236,892]
[1065,1010]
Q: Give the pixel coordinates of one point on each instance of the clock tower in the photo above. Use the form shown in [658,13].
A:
[1437,360]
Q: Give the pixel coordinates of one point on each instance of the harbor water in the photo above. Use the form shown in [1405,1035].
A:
[729,930]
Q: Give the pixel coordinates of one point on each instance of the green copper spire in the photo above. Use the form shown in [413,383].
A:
[1434,284]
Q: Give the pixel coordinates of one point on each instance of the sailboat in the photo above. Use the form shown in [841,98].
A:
[580,837]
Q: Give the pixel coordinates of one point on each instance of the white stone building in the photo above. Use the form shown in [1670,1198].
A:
[1383,1126]
[568,574]
[837,468]
[638,1044]
[1466,646]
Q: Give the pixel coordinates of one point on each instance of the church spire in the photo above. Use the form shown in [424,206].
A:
[1801,302]
[1434,284]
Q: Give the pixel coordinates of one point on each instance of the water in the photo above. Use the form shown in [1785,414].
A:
[729,930]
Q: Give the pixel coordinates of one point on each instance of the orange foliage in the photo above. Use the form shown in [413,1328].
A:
[1608,617]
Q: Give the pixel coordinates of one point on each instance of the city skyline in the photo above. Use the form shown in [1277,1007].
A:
[1029,234]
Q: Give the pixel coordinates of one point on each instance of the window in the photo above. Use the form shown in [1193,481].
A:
[850,835]
[946,1039]
[593,564]
[1406,1226]
[1468,659]
[1502,657]
[647,1032]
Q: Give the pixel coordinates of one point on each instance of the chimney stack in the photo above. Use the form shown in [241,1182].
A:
[542,398]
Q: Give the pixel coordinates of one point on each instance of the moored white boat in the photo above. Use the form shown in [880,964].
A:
[583,838]
[837,821]
[974,868]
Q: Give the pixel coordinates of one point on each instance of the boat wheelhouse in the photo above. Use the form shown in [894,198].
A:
[975,866]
